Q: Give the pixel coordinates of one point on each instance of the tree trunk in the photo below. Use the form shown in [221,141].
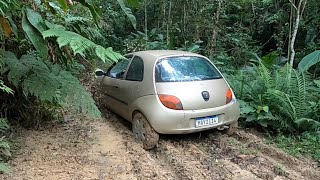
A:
[215,28]
[299,11]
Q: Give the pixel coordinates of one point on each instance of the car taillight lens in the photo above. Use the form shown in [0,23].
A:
[228,96]
[171,102]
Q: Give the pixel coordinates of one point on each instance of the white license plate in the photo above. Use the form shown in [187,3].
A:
[207,121]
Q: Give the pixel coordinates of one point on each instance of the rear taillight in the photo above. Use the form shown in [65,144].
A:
[171,102]
[228,96]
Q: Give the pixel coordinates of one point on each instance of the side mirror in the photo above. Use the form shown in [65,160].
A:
[99,72]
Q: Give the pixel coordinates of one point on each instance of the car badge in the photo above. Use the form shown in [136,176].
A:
[205,95]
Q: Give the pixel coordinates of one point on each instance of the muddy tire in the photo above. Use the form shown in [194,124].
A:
[232,128]
[143,132]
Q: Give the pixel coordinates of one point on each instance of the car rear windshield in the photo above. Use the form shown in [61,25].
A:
[185,68]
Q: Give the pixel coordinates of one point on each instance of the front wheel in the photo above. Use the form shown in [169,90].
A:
[143,131]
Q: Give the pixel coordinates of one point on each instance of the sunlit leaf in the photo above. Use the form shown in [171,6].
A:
[35,37]
[309,60]
[36,20]
[129,13]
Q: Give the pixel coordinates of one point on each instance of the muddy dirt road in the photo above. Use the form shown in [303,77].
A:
[105,149]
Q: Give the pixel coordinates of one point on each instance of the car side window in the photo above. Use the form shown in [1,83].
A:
[135,71]
[118,70]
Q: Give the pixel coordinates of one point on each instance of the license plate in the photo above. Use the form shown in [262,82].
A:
[207,121]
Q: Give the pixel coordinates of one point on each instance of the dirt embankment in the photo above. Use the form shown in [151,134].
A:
[87,149]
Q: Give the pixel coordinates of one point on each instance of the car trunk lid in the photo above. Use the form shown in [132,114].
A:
[196,95]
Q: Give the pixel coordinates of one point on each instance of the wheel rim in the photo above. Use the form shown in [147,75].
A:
[139,129]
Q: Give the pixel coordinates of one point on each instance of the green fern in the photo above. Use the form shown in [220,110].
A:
[75,19]
[265,74]
[4,146]
[282,105]
[5,88]
[5,5]
[48,82]
[79,44]
[298,93]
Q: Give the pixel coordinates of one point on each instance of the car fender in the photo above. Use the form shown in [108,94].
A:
[146,105]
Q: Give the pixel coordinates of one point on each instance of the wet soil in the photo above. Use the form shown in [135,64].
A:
[105,149]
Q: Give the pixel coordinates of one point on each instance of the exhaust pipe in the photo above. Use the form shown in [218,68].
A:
[220,128]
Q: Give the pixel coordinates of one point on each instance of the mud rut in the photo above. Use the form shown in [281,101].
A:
[105,149]
[213,155]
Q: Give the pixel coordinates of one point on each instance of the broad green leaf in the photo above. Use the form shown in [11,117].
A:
[270,58]
[55,7]
[63,4]
[251,118]
[309,60]
[36,20]
[35,37]
[265,108]
[129,13]
[262,108]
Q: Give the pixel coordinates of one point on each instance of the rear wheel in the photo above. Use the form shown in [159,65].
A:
[143,131]
[232,128]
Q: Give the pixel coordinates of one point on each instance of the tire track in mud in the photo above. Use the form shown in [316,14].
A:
[144,164]
[179,159]
[213,156]
[250,153]
[297,168]
[209,166]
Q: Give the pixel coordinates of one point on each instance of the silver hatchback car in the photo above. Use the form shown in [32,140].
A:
[169,92]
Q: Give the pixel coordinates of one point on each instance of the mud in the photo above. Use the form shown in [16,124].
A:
[105,149]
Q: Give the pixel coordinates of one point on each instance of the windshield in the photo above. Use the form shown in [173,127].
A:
[185,68]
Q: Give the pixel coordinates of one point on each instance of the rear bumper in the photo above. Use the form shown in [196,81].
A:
[168,121]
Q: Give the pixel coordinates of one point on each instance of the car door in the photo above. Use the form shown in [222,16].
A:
[130,88]
[111,86]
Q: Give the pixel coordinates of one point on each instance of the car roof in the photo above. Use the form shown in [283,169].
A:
[163,53]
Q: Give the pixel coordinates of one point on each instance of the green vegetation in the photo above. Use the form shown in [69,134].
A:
[305,144]
[269,56]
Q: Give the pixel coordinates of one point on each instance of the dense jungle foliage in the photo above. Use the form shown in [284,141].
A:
[269,51]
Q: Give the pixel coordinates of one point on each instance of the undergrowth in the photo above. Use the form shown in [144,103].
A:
[298,145]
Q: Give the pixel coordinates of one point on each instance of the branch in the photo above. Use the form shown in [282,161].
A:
[293,4]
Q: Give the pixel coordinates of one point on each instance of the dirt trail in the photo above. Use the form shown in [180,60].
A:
[87,149]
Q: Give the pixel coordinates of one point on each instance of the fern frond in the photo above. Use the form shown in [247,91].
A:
[266,75]
[75,19]
[281,78]
[81,45]
[4,125]
[285,107]
[49,83]
[5,88]
[298,93]
[92,33]
[308,124]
